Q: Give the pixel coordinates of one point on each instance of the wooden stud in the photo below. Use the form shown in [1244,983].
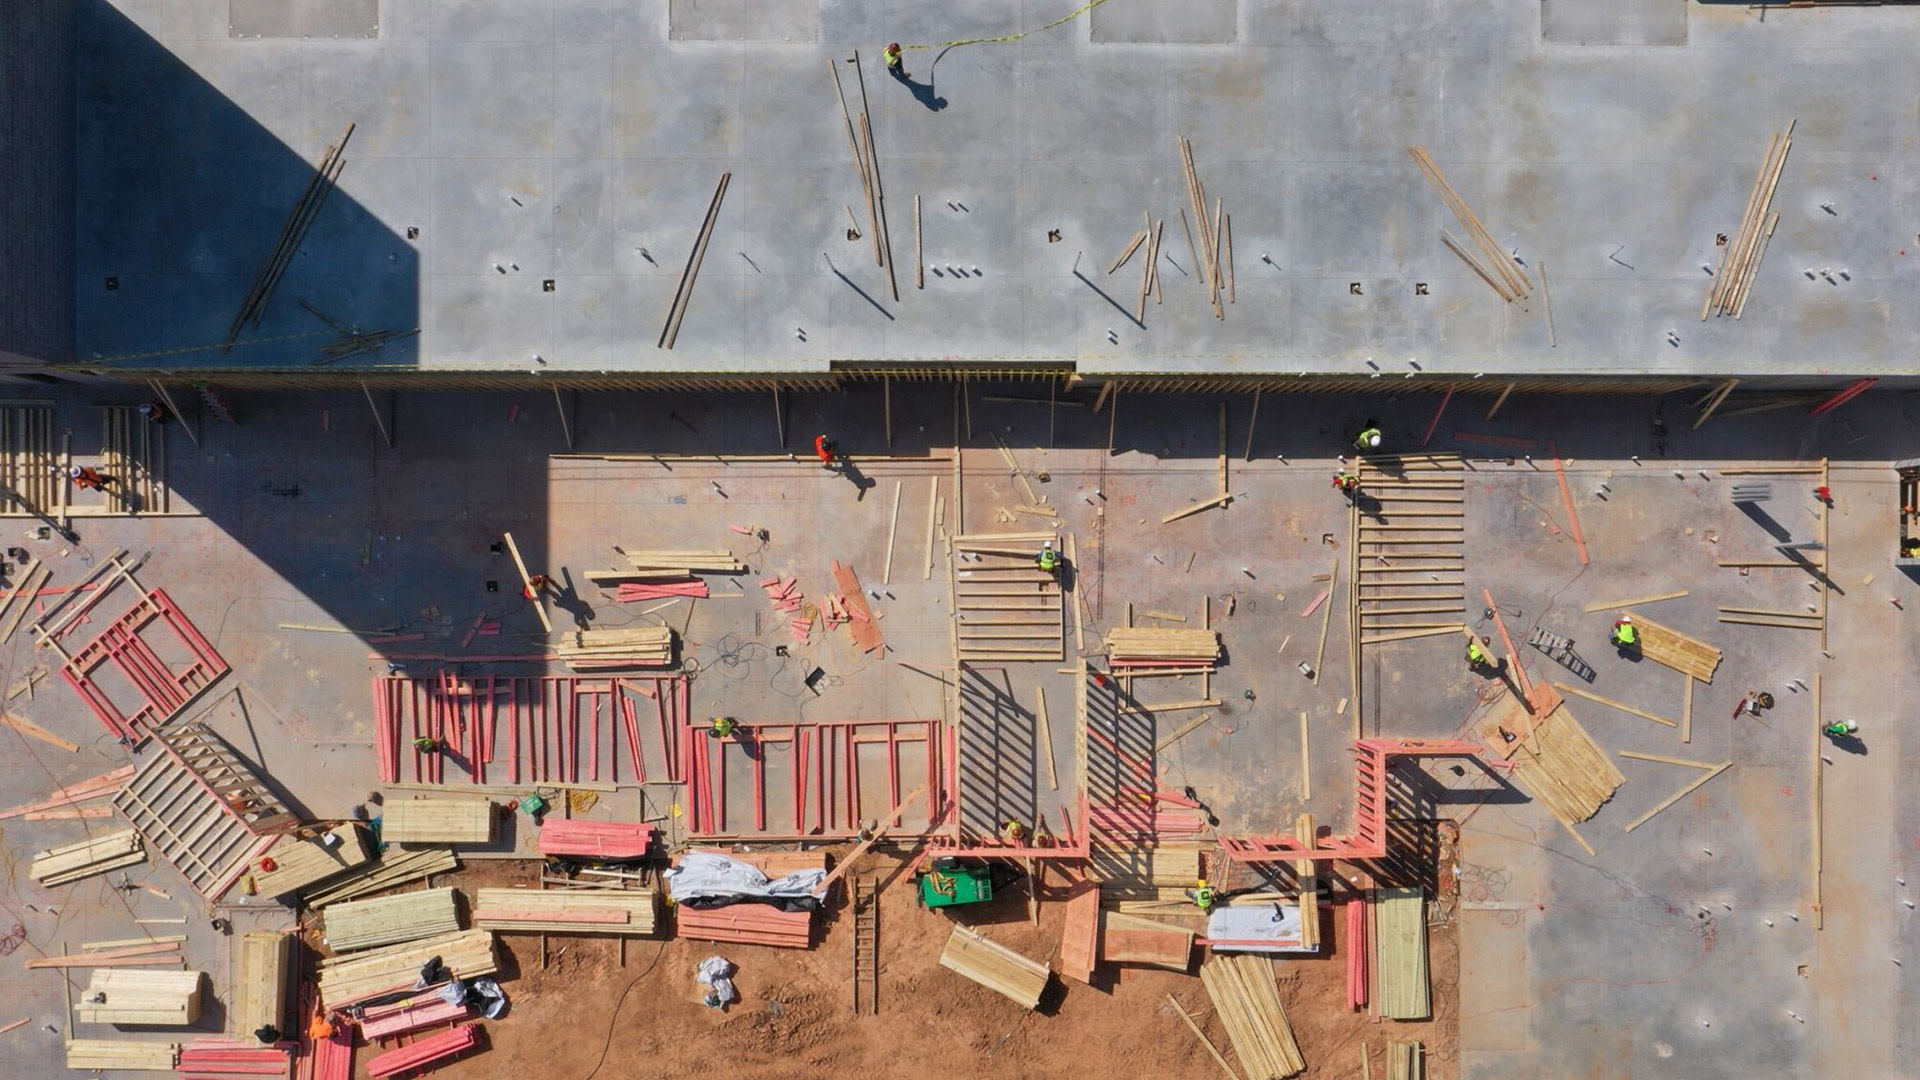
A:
[1046,735]
[1610,703]
[1678,795]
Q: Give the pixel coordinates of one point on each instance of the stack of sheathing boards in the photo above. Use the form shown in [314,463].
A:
[262,980]
[1400,955]
[122,1054]
[345,979]
[1403,1060]
[1128,939]
[684,562]
[170,998]
[84,858]
[1561,765]
[646,646]
[389,920]
[303,861]
[1249,1007]
[746,924]
[393,867]
[1143,873]
[995,967]
[568,911]
[1153,643]
[437,821]
[1665,645]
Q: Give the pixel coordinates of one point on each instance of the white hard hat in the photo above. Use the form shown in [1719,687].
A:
[1373,440]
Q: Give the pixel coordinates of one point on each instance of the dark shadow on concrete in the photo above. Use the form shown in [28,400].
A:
[1758,514]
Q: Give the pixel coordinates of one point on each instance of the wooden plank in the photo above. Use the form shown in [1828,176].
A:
[1198,1034]
[1617,604]
[526,582]
[1637,756]
[1678,795]
[1185,729]
[1612,704]
[893,527]
[1686,711]
[1205,504]
[1046,737]
[1404,635]
[27,727]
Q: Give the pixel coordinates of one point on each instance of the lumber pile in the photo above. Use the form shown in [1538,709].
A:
[774,864]
[1129,939]
[221,1059]
[424,1009]
[264,972]
[95,788]
[389,920]
[1005,606]
[854,610]
[346,979]
[84,858]
[438,821]
[1400,954]
[1403,1060]
[1665,645]
[121,996]
[610,840]
[640,646]
[1136,872]
[1494,264]
[1248,1005]
[425,1052]
[95,1055]
[1080,932]
[1740,259]
[393,867]
[1557,763]
[134,952]
[995,967]
[1160,647]
[634,591]
[302,861]
[683,563]
[1208,228]
[632,912]
[746,924]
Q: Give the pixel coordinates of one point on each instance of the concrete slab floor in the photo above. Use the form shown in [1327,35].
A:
[503,146]
[300,516]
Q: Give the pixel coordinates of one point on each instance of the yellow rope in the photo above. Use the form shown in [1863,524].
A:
[1069,17]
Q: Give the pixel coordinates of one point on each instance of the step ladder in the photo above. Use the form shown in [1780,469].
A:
[1561,650]
[214,404]
[866,947]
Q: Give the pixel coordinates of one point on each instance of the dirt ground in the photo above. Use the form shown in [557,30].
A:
[585,1016]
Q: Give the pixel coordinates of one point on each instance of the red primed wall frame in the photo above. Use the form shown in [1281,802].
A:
[1372,760]
[165,692]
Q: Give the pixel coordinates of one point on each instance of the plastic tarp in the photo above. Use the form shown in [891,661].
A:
[1256,923]
[706,879]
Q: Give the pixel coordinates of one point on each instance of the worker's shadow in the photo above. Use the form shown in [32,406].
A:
[861,481]
[1780,533]
[1850,743]
[922,91]
[568,599]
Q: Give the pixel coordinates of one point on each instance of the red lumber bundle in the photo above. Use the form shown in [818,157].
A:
[217,1059]
[425,1009]
[596,839]
[782,592]
[425,1052]
[631,591]
[1080,932]
[1356,954]
[747,924]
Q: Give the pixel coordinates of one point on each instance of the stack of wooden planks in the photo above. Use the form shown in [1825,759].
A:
[1495,265]
[995,967]
[132,952]
[1006,607]
[263,981]
[121,996]
[1557,761]
[1160,647]
[389,920]
[1740,260]
[746,924]
[96,1055]
[64,798]
[632,912]
[438,821]
[393,867]
[1129,939]
[424,1009]
[84,858]
[593,650]
[346,979]
[1400,954]
[1210,230]
[1249,1008]
[299,862]
[1080,932]
[1403,1060]
[683,563]
[1665,645]
[634,591]
[221,1059]
[425,1052]
[608,840]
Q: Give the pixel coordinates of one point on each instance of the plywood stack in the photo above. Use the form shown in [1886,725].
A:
[1665,645]
[607,840]
[438,821]
[302,861]
[1403,1060]
[1147,644]
[95,1055]
[1128,939]
[593,650]
[684,563]
[1131,873]
[1556,761]
[84,858]
[1006,607]
[346,979]
[124,996]
[1400,983]
[631,912]
[264,971]
[393,867]
[746,924]
[995,967]
[389,920]
[1249,1008]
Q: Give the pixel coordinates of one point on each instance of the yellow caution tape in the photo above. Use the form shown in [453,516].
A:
[1069,17]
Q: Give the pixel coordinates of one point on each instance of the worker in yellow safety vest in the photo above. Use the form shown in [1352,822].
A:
[1476,656]
[1369,437]
[1203,896]
[722,727]
[1624,634]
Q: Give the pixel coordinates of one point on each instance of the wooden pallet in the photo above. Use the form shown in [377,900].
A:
[1138,643]
[606,840]
[1080,932]
[746,924]
[1006,608]
[1403,1060]
[1557,761]
[1400,987]
[201,808]
[343,980]
[995,967]
[390,920]
[865,902]
[1248,1004]
[300,862]
[1129,939]
[394,867]
[95,1055]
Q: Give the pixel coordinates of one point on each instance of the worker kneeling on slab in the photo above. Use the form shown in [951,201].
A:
[1626,637]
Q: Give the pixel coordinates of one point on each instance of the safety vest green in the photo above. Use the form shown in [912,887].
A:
[1625,634]
[1366,439]
[1475,654]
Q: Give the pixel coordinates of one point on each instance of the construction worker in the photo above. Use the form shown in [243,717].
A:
[87,479]
[1203,897]
[1477,658]
[1843,729]
[823,446]
[1369,437]
[1013,831]
[896,61]
[722,727]
[154,411]
[321,1028]
[426,744]
[1624,634]
[536,584]
[1048,560]
[1348,483]
[1824,494]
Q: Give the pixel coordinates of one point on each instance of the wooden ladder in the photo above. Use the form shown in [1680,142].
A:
[865,904]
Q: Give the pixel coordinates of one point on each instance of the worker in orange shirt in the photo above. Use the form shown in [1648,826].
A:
[824,447]
[87,479]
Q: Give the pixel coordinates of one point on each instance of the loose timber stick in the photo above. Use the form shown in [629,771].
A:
[919,258]
[1198,1034]
[880,200]
[1678,795]
[1609,702]
[1138,239]
[1046,735]
[671,331]
[1227,240]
